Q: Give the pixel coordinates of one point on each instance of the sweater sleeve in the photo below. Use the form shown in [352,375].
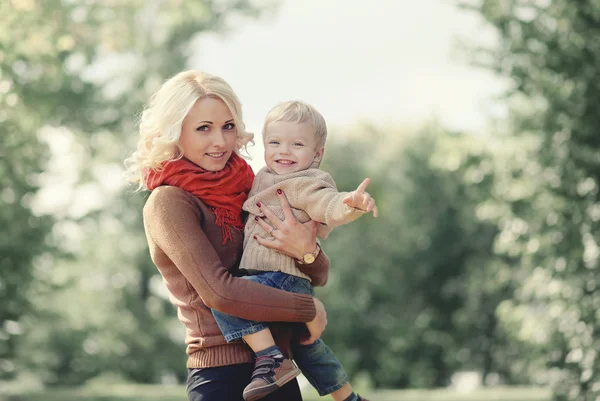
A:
[171,220]
[320,199]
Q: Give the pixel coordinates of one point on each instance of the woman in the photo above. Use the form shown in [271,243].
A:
[190,135]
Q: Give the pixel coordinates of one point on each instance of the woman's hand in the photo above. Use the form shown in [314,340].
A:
[291,237]
[317,325]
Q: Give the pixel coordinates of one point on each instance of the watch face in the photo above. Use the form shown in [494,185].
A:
[309,258]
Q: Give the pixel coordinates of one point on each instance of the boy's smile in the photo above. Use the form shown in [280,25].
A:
[290,147]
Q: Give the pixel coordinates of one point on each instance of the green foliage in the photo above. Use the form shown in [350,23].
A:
[411,299]
[23,241]
[484,257]
[550,52]
[24,233]
[73,78]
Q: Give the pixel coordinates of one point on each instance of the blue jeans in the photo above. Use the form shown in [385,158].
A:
[316,361]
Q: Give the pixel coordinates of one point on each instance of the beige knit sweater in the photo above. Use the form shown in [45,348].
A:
[312,194]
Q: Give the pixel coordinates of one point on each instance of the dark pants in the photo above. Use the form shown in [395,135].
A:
[226,383]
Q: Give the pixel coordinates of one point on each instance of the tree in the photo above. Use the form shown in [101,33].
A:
[23,241]
[74,75]
[550,52]
[410,300]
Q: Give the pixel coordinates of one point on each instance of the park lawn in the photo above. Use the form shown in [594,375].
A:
[134,392]
[492,394]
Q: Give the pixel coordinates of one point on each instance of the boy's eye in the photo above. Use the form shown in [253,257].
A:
[298,144]
[273,142]
[229,126]
[203,128]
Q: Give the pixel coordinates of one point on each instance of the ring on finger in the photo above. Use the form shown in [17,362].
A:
[271,230]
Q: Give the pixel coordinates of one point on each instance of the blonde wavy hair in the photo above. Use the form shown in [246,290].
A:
[161,121]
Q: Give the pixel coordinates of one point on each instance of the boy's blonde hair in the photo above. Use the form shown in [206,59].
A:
[161,121]
[298,112]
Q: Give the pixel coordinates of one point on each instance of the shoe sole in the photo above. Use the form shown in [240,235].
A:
[260,392]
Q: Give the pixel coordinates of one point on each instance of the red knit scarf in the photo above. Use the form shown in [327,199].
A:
[224,191]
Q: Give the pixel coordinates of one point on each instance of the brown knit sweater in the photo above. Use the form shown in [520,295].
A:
[198,270]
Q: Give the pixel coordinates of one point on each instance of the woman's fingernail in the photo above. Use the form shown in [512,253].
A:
[254,236]
[256,218]
[258,204]
[279,191]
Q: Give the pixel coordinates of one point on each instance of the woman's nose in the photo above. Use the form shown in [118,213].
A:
[219,139]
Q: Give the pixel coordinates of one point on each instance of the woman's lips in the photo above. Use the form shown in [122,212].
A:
[216,155]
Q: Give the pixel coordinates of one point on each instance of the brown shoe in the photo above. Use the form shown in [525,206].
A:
[361,398]
[269,374]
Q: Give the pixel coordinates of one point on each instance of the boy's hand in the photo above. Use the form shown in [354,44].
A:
[360,199]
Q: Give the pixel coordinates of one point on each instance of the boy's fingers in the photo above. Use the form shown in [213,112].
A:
[366,198]
[375,211]
[363,185]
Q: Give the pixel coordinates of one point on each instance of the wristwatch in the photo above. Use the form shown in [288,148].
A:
[309,257]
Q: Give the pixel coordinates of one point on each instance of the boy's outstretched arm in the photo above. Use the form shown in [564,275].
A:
[362,200]
[322,202]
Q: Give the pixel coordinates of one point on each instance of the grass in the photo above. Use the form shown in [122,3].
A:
[492,394]
[134,392]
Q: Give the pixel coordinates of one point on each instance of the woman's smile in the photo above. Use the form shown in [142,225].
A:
[216,155]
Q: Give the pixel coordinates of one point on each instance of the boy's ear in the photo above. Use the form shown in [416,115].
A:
[319,155]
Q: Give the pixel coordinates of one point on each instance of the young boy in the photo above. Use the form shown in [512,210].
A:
[294,136]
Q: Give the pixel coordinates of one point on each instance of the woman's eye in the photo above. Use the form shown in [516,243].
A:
[229,126]
[203,128]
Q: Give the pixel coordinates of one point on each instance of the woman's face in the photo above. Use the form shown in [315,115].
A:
[208,134]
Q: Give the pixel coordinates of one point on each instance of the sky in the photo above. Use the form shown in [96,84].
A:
[385,61]
[390,62]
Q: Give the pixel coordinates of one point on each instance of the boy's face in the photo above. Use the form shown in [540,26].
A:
[290,147]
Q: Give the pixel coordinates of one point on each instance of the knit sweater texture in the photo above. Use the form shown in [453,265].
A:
[312,195]
[200,273]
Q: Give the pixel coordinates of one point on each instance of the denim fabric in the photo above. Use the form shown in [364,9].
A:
[226,383]
[234,328]
[320,366]
[317,361]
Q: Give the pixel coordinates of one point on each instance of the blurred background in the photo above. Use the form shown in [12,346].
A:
[476,121]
